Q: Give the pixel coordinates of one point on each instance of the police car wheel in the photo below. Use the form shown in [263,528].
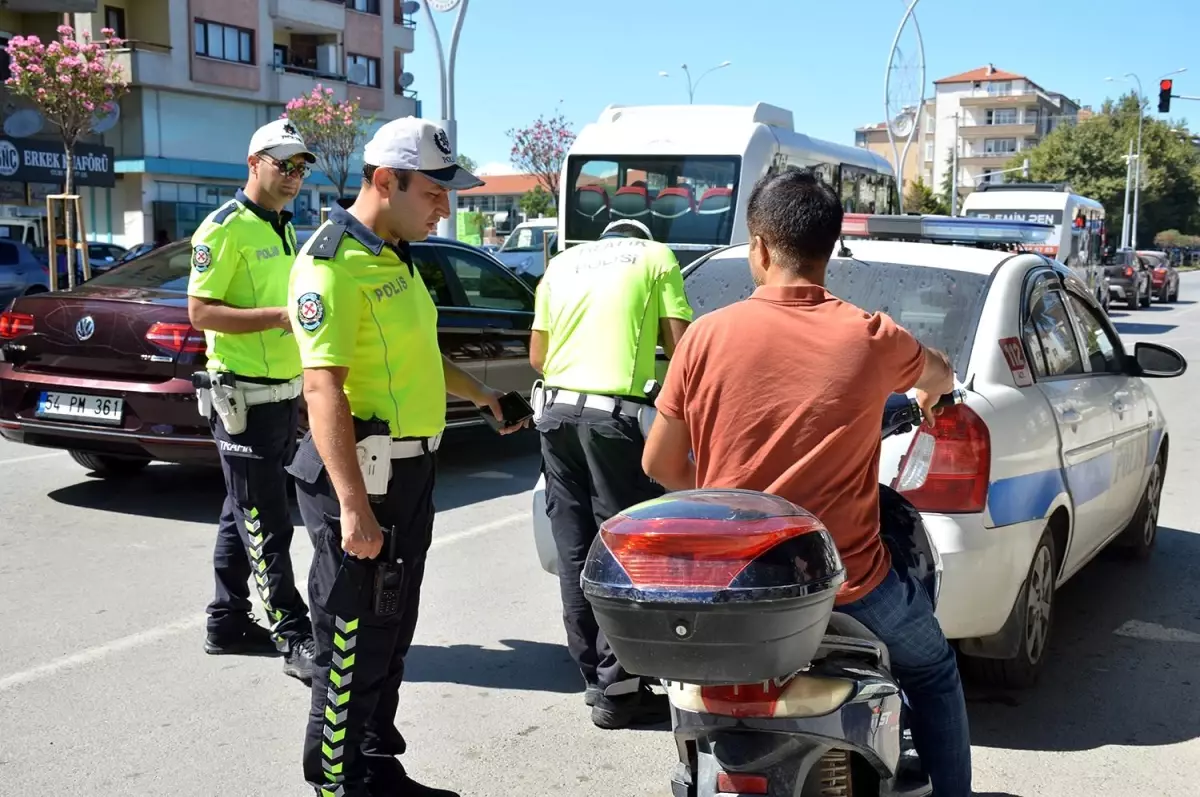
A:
[1036,618]
[109,467]
[1137,541]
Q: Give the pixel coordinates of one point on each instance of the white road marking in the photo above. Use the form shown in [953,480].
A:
[143,638]
[15,460]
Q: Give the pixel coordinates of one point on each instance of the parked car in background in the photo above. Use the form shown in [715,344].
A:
[524,251]
[21,273]
[1128,278]
[104,370]
[1164,277]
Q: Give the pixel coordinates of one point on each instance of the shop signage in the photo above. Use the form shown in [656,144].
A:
[26,160]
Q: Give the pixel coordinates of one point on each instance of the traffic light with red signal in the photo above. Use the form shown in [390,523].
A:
[1164,95]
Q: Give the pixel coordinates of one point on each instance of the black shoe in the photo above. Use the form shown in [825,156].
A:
[248,639]
[410,788]
[298,662]
[592,694]
[642,707]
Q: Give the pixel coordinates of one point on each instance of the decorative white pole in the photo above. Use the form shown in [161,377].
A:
[448,228]
[894,119]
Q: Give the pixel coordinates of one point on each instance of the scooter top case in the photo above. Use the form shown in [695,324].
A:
[713,586]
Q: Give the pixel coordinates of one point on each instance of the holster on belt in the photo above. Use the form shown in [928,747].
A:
[373,441]
[537,400]
[647,413]
[218,391]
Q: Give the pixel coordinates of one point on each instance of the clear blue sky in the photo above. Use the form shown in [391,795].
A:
[825,61]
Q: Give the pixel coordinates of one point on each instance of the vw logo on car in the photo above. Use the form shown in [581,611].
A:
[85,328]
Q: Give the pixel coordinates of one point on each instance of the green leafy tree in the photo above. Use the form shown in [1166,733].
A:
[466,163]
[333,130]
[537,202]
[1090,156]
[948,181]
[921,199]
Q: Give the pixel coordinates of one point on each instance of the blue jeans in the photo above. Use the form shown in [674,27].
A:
[900,613]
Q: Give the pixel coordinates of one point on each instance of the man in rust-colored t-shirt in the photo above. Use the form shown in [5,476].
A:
[784,393]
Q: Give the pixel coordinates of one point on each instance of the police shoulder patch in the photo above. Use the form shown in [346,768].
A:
[201,257]
[310,311]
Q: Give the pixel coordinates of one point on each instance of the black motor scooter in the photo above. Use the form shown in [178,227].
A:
[726,596]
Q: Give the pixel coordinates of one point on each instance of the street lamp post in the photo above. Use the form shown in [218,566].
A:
[448,228]
[692,86]
[1137,181]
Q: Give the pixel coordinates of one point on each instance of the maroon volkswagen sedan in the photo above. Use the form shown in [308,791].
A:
[104,370]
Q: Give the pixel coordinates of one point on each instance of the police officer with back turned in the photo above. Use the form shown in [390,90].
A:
[375,384]
[237,293]
[600,311]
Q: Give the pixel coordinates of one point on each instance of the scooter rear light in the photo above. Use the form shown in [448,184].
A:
[957,478]
[696,553]
[740,783]
[1128,271]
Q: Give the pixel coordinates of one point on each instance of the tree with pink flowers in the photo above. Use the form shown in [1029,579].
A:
[72,82]
[541,148]
[333,130]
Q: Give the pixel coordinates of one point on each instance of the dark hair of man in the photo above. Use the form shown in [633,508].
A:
[403,176]
[798,216]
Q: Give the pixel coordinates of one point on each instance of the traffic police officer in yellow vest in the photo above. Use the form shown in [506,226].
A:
[602,308]
[375,383]
[242,255]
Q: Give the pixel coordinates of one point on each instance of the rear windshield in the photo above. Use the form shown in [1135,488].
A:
[940,307]
[165,269]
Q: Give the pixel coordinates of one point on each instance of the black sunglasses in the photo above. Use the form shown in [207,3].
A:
[288,168]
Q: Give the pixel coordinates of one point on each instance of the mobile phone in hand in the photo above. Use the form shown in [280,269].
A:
[515,408]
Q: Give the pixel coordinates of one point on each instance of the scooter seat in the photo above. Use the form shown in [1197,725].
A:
[844,625]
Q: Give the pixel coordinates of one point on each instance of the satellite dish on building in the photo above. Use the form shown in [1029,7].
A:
[410,7]
[357,73]
[103,122]
[26,122]
[406,80]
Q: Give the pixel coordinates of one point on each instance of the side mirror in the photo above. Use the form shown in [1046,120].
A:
[1156,361]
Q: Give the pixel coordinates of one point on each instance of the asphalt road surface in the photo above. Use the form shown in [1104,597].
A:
[105,690]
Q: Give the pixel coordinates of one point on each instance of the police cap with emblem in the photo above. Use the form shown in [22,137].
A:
[421,146]
[280,140]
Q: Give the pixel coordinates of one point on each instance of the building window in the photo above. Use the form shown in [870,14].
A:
[225,42]
[1002,116]
[115,18]
[364,6]
[1000,88]
[928,150]
[368,72]
[930,123]
[1000,145]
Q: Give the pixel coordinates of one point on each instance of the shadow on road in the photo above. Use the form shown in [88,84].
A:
[473,466]
[1124,656]
[531,666]
[1134,328]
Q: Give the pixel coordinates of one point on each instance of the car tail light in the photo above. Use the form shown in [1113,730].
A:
[696,553]
[741,783]
[957,477]
[179,338]
[14,325]
[1128,271]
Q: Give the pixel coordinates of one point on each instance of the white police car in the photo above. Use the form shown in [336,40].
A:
[1059,449]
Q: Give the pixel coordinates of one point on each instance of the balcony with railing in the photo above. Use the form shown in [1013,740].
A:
[995,158]
[1004,99]
[150,64]
[1006,130]
[320,15]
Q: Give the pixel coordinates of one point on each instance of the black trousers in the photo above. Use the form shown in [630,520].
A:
[254,536]
[592,461]
[351,744]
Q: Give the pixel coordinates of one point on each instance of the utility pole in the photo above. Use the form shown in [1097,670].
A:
[1125,216]
[1137,183]
[954,173]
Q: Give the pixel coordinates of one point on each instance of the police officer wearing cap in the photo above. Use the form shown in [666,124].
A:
[375,383]
[601,309]
[242,255]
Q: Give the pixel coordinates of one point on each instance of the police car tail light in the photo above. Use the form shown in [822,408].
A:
[959,468]
[178,338]
[741,783]
[696,553]
[14,325]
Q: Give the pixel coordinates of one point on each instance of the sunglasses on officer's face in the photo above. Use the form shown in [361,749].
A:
[288,168]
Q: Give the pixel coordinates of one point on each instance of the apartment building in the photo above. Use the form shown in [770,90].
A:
[987,114]
[918,160]
[990,116]
[203,75]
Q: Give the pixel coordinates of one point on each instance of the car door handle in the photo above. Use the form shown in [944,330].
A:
[1119,406]
[1070,416]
